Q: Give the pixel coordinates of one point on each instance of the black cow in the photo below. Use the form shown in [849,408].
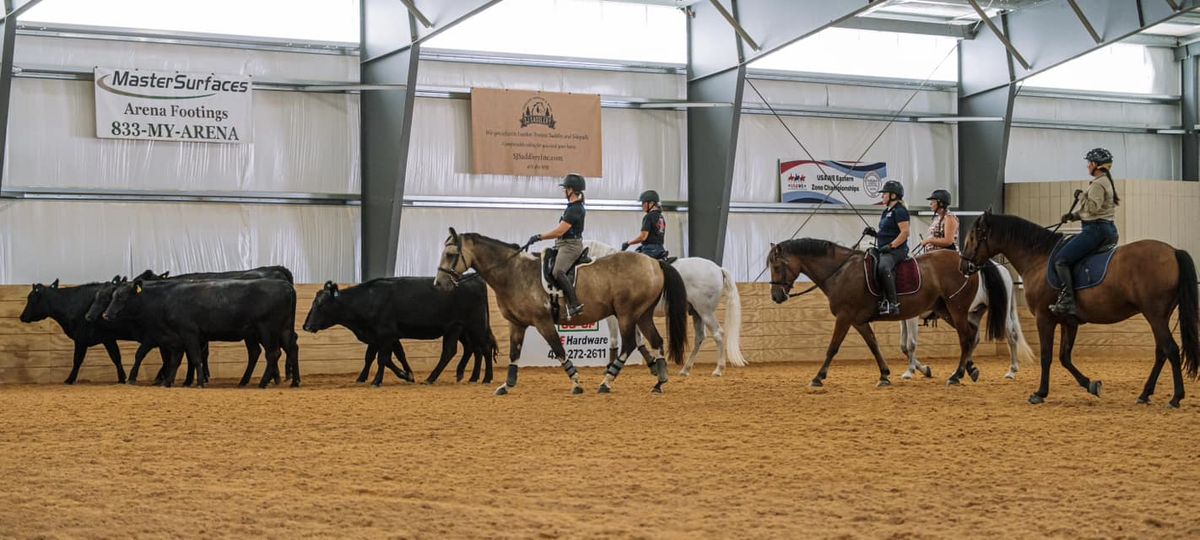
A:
[381,311]
[183,315]
[262,272]
[68,307]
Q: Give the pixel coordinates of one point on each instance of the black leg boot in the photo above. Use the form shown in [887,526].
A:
[1066,297]
[568,288]
[889,291]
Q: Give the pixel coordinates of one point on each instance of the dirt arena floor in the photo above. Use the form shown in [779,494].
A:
[755,454]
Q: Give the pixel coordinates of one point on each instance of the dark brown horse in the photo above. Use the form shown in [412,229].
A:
[839,272]
[1147,277]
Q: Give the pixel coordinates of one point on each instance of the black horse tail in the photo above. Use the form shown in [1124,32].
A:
[997,296]
[1189,313]
[675,293]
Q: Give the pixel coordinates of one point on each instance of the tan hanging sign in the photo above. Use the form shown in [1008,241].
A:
[525,133]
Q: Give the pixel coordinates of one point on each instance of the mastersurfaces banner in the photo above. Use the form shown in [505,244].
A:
[804,181]
[523,133]
[173,106]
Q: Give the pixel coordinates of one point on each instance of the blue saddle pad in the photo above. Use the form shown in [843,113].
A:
[1089,272]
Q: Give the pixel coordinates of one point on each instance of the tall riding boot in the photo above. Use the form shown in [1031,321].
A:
[568,288]
[1066,296]
[889,291]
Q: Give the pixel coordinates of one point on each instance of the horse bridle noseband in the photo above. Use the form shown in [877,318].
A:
[817,285]
[456,278]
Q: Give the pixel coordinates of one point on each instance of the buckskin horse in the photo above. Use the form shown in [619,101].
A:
[841,274]
[1147,277]
[627,285]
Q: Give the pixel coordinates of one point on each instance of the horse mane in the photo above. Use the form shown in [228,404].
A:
[808,247]
[1012,230]
[476,237]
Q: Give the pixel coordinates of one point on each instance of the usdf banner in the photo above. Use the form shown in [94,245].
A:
[805,181]
[173,106]
[535,133]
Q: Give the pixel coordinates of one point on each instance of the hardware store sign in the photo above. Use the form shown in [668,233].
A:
[173,106]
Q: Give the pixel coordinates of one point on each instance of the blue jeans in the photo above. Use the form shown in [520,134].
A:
[654,251]
[1094,234]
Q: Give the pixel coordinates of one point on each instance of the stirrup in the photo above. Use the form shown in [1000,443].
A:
[1063,306]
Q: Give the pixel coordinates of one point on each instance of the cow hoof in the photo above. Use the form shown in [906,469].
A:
[928,372]
[429,382]
[816,383]
[1035,399]
[295,383]
[974,373]
[1143,400]
[883,383]
[604,389]
[1174,404]
[576,390]
[502,391]
[131,382]
[1094,388]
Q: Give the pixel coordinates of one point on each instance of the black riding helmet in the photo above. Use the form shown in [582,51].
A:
[1099,156]
[649,196]
[940,195]
[893,187]
[574,181]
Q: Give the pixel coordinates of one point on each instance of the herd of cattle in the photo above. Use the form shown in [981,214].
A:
[181,315]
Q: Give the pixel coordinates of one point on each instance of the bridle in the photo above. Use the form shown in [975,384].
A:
[972,266]
[457,277]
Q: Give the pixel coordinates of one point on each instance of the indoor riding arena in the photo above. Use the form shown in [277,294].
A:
[599,269]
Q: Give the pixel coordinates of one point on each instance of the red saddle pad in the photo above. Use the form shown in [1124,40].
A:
[908,277]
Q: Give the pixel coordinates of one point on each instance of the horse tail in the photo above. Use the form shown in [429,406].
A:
[1189,313]
[675,294]
[1014,320]
[997,296]
[733,320]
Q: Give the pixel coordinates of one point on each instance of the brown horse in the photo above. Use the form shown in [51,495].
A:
[839,272]
[1147,277]
[625,285]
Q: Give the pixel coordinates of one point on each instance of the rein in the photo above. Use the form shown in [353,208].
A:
[817,285]
[458,278]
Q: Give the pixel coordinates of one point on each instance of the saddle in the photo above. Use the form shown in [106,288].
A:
[1089,272]
[908,276]
[548,258]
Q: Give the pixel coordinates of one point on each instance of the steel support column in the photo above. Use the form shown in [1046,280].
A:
[389,54]
[8,39]
[717,60]
[1190,113]
[983,146]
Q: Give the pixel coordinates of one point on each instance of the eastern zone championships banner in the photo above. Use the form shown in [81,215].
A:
[804,181]
[173,106]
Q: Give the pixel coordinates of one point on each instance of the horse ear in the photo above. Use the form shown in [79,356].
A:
[55,284]
[124,279]
[116,278]
[329,286]
[165,274]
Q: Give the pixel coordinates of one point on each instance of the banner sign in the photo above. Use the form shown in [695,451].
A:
[586,345]
[804,181]
[525,133]
[173,106]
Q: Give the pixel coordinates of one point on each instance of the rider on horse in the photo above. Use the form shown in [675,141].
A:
[943,230]
[654,228]
[1097,210]
[891,242]
[568,239]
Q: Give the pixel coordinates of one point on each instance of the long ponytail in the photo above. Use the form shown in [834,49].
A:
[1111,182]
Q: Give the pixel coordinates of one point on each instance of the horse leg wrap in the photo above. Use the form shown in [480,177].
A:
[660,369]
[569,368]
[615,367]
[512,375]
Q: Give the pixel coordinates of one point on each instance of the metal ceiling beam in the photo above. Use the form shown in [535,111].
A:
[15,8]
[1044,34]
[8,40]
[983,146]
[433,16]
[880,24]
[987,21]
[773,24]
[717,58]
[1087,25]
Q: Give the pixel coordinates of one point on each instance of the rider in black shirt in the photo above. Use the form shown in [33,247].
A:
[654,228]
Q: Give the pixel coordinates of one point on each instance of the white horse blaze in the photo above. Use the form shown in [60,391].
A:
[705,282]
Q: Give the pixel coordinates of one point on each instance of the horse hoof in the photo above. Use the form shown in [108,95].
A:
[907,376]
[816,383]
[657,389]
[883,383]
[429,382]
[1094,388]
[718,374]
[131,382]
[502,391]
[1143,400]
[974,373]
[604,389]
[684,373]
[953,381]
[1035,399]
[1174,404]
[928,372]
[377,385]
[1010,376]
[575,391]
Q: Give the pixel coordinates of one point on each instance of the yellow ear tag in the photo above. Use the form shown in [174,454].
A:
[138,289]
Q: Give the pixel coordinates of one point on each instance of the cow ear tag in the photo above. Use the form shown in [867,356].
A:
[138,289]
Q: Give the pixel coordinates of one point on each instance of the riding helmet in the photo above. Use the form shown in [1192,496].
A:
[893,187]
[574,181]
[649,196]
[1099,156]
[940,195]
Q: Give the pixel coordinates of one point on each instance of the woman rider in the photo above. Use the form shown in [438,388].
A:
[891,240]
[943,230]
[654,228]
[568,239]
[1097,210]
